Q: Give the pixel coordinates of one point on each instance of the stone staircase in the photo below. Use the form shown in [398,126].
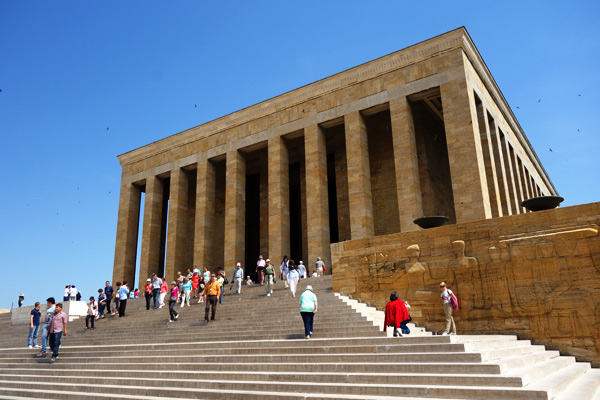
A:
[256,350]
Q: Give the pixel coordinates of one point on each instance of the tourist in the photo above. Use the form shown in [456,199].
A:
[174,295]
[447,295]
[221,280]
[269,276]
[308,309]
[319,267]
[78,296]
[238,277]
[92,311]
[195,284]
[72,293]
[206,275]
[66,293]
[164,288]
[136,293]
[156,290]
[180,283]
[50,310]
[58,328]
[248,281]
[293,277]
[196,269]
[187,292]
[123,293]
[108,291]
[117,298]
[189,274]
[201,286]
[211,296]
[260,266]
[396,314]
[301,270]
[101,303]
[34,326]
[283,271]
[148,292]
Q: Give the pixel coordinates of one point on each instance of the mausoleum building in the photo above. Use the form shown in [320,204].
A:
[360,154]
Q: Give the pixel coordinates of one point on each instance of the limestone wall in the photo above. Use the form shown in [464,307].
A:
[535,275]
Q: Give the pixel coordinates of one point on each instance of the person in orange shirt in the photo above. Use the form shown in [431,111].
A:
[212,290]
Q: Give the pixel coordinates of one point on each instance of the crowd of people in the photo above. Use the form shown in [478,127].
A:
[205,286]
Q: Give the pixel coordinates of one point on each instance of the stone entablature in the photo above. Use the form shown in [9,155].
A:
[535,275]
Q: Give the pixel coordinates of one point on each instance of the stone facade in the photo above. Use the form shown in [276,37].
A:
[534,274]
[360,154]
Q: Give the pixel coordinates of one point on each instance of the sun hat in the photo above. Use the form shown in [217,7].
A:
[309,287]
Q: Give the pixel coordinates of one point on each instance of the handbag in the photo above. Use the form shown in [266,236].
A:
[226,281]
[454,301]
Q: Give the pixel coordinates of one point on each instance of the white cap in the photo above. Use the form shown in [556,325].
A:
[148,280]
[238,265]
[300,262]
[267,260]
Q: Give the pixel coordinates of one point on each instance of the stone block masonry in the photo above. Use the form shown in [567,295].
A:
[535,275]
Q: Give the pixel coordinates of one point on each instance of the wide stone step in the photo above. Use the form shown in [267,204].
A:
[277,376]
[350,367]
[215,389]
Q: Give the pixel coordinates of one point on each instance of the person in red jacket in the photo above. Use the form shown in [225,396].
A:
[396,314]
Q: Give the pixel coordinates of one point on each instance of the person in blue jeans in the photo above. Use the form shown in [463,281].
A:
[156,284]
[50,310]
[308,309]
[34,326]
[58,328]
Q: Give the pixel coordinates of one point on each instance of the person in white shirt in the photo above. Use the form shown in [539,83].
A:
[238,277]
[72,293]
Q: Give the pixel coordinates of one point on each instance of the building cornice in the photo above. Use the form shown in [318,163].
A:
[369,70]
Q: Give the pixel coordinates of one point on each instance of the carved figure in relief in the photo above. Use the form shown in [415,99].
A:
[546,270]
[567,304]
[467,277]
[520,282]
[377,273]
[494,279]
[417,279]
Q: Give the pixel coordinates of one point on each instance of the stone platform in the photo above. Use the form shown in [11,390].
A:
[256,350]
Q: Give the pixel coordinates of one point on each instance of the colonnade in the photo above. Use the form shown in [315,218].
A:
[488,179]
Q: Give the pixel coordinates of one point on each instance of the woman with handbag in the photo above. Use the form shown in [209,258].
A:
[450,302]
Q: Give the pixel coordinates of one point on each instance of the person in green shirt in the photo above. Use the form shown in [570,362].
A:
[269,274]
[308,309]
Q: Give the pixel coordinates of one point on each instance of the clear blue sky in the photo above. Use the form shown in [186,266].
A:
[71,69]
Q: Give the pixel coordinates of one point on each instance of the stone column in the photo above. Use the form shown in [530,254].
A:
[235,210]
[489,161]
[359,176]
[317,202]
[501,169]
[205,211]
[406,163]
[512,183]
[153,210]
[279,200]
[127,234]
[177,224]
[518,179]
[467,167]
